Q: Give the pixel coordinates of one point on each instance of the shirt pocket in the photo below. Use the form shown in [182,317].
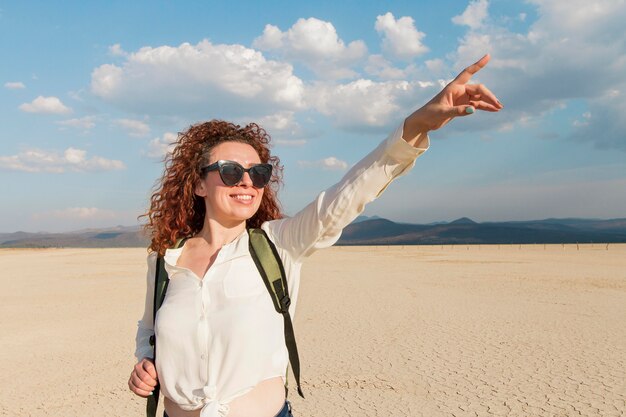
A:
[243,279]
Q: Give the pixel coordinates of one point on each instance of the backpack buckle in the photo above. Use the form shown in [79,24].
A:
[285,302]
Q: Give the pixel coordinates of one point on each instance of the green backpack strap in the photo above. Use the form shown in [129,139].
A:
[161,280]
[271,268]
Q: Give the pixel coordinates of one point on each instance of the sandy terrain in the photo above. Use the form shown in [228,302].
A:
[383,331]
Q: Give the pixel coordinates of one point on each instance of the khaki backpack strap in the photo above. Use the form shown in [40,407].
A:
[161,280]
[271,268]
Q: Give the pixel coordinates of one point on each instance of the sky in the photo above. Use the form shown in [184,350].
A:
[93,93]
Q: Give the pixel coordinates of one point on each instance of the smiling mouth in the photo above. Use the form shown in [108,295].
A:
[242,197]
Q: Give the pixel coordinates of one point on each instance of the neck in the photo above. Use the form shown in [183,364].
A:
[218,234]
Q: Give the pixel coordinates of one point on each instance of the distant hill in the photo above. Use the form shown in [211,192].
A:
[463,220]
[373,231]
[467,231]
[114,237]
[365,218]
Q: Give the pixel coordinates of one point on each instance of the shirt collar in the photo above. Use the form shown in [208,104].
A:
[234,249]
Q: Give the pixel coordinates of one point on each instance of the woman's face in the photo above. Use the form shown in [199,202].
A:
[237,203]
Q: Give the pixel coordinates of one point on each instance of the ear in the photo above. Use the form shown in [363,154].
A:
[200,189]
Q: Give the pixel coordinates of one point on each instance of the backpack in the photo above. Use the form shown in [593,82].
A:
[267,261]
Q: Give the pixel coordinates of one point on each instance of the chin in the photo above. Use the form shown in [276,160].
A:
[243,215]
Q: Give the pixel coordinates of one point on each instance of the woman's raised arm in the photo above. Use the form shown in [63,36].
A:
[320,224]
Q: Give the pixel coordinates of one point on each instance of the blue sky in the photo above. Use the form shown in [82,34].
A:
[92,93]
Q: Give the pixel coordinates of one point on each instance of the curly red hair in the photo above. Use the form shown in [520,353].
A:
[175,210]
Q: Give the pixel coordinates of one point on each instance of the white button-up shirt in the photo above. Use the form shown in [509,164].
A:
[219,335]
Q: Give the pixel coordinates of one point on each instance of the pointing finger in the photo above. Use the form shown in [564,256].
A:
[467,73]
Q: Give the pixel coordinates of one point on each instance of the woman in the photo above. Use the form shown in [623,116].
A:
[221,343]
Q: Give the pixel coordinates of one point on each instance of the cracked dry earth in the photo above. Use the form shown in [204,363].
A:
[464,331]
[528,330]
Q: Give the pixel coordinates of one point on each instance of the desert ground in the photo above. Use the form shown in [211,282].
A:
[489,330]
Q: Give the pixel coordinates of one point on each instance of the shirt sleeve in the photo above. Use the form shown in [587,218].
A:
[319,224]
[145,326]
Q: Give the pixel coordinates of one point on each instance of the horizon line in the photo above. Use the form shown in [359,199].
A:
[373,217]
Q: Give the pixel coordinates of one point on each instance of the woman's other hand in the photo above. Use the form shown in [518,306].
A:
[456,99]
[143,379]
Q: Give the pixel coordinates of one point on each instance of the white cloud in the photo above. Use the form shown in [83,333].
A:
[106,80]
[135,128]
[553,62]
[281,125]
[400,37]
[378,66]
[278,121]
[364,104]
[474,15]
[160,147]
[72,159]
[329,164]
[432,69]
[116,50]
[50,105]
[16,85]
[190,80]
[85,123]
[435,66]
[272,38]
[579,18]
[533,71]
[316,44]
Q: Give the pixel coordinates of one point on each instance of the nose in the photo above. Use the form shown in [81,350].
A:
[246,181]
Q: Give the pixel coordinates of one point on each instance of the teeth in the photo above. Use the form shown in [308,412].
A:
[243,197]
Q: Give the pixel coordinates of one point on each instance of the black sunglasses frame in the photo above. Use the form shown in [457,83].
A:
[258,179]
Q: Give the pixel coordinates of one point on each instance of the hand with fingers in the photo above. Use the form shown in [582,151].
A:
[143,379]
[456,99]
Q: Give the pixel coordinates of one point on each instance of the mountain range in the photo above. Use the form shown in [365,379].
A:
[466,231]
[373,231]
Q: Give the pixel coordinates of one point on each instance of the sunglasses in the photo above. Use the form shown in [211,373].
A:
[232,172]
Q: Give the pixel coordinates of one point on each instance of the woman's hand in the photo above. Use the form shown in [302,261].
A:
[143,379]
[456,99]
